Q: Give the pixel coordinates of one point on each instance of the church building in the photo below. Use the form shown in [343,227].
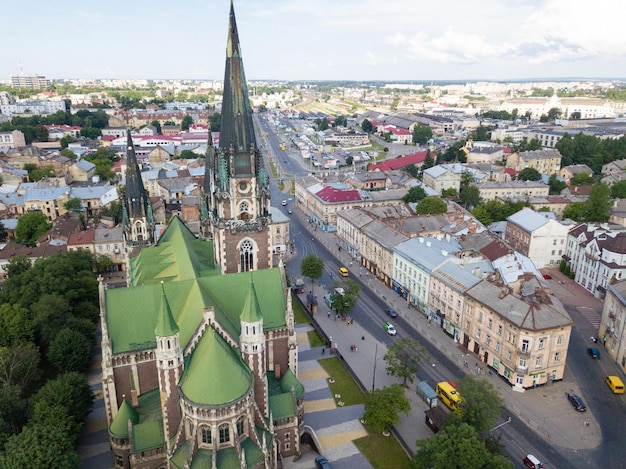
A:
[199,352]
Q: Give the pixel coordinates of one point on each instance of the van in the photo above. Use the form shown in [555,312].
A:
[343,271]
[615,384]
[532,462]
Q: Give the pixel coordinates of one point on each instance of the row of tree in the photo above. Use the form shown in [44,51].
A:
[48,318]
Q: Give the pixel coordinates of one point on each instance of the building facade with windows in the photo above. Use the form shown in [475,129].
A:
[612,330]
[522,337]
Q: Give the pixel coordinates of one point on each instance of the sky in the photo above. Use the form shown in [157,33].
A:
[364,40]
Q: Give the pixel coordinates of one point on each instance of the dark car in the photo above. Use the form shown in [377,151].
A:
[547,276]
[577,402]
[322,463]
[390,312]
[593,352]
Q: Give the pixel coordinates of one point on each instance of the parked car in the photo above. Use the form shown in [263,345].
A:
[284,202]
[391,313]
[547,276]
[389,329]
[322,463]
[577,402]
[532,462]
[593,352]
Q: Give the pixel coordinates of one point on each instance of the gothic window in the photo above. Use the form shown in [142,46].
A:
[224,434]
[240,426]
[206,435]
[246,256]
[244,211]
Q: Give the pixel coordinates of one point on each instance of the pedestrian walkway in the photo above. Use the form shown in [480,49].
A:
[333,425]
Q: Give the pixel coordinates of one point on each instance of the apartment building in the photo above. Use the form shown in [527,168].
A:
[413,262]
[537,235]
[544,161]
[596,254]
[490,190]
[522,337]
[612,330]
[12,139]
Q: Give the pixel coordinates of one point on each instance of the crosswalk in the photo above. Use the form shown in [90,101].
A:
[592,315]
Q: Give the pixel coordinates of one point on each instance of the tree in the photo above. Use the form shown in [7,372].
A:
[17,265]
[46,446]
[526,145]
[554,113]
[421,134]
[157,125]
[383,406]
[345,301]
[13,411]
[186,122]
[16,325]
[404,359]
[470,196]
[366,126]
[30,227]
[312,266]
[481,134]
[73,205]
[215,121]
[556,185]
[480,405]
[69,390]
[429,161]
[70,350]
[187,155]
[66,152]
[454,447]
[598,205]
[431,205]
[65,141]
[575,211]
[19,365]
[529,174]
[411,169]
[618,190]
[102,263]
[322,124]
[113,210]
[582,179]
[482,215]
[450,193]
[415,194]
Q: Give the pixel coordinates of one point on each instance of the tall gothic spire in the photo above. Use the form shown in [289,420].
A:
[138,219]
[236,126]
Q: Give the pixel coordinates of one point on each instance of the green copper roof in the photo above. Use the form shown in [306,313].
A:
[282,406]
[288,381]
[179,458]
[178,255]
[119,425]
[166,326]
[148,433]
[203,459]
[251,310]
[216,374]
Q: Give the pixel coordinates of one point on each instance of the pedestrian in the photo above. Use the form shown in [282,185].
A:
[329,314]
[465,364]
[323,350]
[351,320]
[336,317]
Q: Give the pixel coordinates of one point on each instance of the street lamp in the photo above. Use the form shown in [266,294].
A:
[498,426]
[375,362]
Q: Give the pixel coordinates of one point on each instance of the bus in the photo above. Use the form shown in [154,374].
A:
[448,395]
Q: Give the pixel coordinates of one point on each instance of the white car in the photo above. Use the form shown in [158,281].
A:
[284,203]
[390,329]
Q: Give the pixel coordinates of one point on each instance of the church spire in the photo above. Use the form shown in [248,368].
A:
[138,219]
[236,129]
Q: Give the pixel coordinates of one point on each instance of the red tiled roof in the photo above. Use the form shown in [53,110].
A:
[397,163]
[399,131]
[82,237]
[510,171]
[332,195]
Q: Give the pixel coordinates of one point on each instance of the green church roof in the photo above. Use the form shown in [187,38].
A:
[166,326]
[119,425]
[288,381]
[215,374]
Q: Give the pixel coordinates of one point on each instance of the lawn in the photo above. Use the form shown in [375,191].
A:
[343,384]
[382,451]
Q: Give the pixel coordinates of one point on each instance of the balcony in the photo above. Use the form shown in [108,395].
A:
[521,370]
[524,352]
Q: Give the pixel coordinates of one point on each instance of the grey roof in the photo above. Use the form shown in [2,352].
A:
[90,192]
[462,276]
[383,234]
[528,219]
[85,165]
[427,252]
[46,194]
[356,217]
[103,235]
[278,216]
[531,314]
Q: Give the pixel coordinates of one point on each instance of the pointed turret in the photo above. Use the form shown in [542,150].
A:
[119,424]
[138,219]
[251,312]
[166,326]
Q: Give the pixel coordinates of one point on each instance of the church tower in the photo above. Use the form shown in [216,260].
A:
[252,343]
[137,216]
[169,359]
[236,184]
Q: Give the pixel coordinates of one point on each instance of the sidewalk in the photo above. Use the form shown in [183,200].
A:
[545,410]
